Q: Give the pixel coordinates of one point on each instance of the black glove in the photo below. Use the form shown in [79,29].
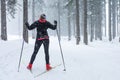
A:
[27,24]
[55,22]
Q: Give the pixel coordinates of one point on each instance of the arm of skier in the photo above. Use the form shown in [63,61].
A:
[52,26]
[32,26]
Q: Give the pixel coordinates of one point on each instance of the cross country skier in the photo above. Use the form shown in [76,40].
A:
[42,38]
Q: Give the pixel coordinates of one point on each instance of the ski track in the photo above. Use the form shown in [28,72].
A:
[93,62]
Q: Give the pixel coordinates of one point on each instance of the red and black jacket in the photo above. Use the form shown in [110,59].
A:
[42,26]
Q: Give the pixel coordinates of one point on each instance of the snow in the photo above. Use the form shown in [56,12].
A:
[99,60]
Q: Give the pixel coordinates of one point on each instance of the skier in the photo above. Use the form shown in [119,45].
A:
[42,38]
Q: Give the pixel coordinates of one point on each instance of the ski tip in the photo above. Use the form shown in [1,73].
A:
[30,70]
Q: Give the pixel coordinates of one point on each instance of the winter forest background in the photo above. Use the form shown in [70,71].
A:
[92,25]
[84,20]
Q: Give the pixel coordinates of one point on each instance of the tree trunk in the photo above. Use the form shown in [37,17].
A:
[3,20]
[110,35]
[77,23]
[85,23]
[25,19]
[92,21]
[118,15]
[69,25]
[92,29]
[59,29]
[33,18]
[99,33]
[114,18]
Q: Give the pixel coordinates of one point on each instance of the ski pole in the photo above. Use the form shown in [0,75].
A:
[61,51]
[20,55]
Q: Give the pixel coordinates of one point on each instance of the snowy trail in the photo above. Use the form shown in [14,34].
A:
[98,61]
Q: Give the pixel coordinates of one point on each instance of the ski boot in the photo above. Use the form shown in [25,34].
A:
[29,67]
[48,67]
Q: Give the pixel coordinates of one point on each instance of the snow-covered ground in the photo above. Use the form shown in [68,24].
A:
[97,61]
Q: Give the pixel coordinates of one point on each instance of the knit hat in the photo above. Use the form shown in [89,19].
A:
[43,16]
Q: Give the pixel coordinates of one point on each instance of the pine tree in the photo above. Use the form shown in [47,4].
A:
[77,23]
[25,19]
[3,20]
[85,23]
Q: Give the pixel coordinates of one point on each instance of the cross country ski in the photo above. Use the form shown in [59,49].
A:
[46,71]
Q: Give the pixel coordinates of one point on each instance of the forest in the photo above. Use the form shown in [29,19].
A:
[84,20]
[84,43]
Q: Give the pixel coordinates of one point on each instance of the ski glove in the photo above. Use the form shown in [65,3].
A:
[55,22]
[27,24]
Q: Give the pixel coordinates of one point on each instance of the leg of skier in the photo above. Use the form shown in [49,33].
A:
[46,49]
[36,48]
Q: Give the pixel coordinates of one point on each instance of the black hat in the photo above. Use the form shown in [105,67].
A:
[43,16]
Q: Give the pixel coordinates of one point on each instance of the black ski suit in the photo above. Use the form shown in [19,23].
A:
[41,38]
